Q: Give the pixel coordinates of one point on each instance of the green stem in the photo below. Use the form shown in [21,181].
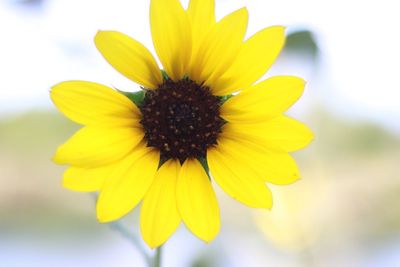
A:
[157,257]
[118,227]
[124,232]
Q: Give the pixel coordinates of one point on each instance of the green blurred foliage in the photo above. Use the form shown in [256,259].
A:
[302,42]
[35,132]
[341,139]
[32,196]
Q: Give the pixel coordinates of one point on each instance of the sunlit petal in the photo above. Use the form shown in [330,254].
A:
[197,203]
[219,48]
[254,59]
[127,185]
[129,57]
[263,101]
[172,36]
[159,216]
[90,103]
[94,146]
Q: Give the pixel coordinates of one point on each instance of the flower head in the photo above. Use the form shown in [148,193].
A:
[160,148]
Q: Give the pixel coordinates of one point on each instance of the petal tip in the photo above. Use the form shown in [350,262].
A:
[101,213]
[151,243]
[278,27]
[312,136]
[96,36]
[296,178]
[103,218]
[207,239]
[269,204]
[242,11]
[282,27]
[100,32]
[64,183]
[57,87]
[71,186]
[99,37]
[58,159]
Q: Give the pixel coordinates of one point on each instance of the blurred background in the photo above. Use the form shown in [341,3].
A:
[344,212]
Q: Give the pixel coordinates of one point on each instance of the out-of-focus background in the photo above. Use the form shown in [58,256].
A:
[344,212]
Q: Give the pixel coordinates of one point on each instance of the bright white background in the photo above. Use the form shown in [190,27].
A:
[43,45]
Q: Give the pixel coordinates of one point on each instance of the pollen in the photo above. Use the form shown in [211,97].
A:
[181,119]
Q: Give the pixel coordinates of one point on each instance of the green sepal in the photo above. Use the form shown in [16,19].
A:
[222,99]
[164,75]
[161,162]
[135,97]
[204,163]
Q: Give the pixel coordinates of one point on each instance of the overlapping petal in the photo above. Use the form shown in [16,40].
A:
[127,184]
[264,100]
[91,103]
[172,36]
[197,203]
[253,162]
[237,178]
[129,57]
[87,179]
[280,133]
[159,216]
[202,17]
[95,146]
[254,59]
[219,48]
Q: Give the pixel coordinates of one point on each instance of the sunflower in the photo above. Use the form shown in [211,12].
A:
[203,118]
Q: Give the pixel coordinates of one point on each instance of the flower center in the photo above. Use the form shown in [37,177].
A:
[181,119]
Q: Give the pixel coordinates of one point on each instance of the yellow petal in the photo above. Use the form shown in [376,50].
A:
[129,57]
[172,37]
[255,162]
[94,146]
[219,48]
[264,100]
[202,17]
[255,58]
[281,133]
[86,179]
[237,178]
[159,217]
[94,104]
[197,203]
[127,185]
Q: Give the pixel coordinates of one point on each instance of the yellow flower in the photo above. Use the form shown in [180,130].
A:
[159,150]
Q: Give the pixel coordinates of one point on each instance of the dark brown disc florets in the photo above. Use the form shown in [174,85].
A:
[181,119]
